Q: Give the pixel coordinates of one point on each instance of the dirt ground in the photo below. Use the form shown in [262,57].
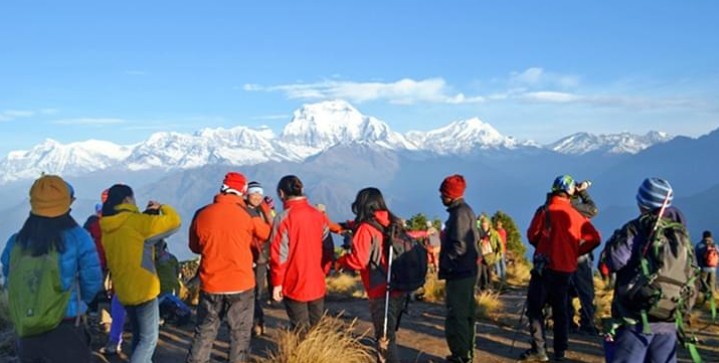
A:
[421,335]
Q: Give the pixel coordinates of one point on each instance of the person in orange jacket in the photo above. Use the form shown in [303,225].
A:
[222,232]
[296,268]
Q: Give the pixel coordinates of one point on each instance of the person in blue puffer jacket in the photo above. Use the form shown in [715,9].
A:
[50,227]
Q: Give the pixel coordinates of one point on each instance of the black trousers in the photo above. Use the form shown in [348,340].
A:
[304,315]
[213,308]
[581,285]
[66,343]
[260,290]
[553,288]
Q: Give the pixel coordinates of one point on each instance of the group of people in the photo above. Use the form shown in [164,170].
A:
[240,237]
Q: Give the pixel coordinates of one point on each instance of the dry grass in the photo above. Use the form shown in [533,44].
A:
[518,273]
[488,305]
[434,289]
[345,285]
[331,341]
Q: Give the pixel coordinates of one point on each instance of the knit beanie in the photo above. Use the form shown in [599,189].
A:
[50,196]
[652,193]
[255,187]
[453,186]
[235,183]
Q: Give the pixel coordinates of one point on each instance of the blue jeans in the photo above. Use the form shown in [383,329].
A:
[501,267]
[631,346]
[145,320]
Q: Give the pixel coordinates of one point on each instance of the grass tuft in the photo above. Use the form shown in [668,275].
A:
[488,305]
[331,341]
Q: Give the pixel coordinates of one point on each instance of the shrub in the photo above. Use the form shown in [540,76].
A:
[488,305]
[345,285]
[518,272]
[433,289]
[331,341]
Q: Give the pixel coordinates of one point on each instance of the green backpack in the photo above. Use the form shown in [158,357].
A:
[36,299]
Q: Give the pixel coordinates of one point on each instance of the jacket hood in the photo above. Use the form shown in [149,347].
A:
[382,217]
[229,198]
[294,200]
[111,223]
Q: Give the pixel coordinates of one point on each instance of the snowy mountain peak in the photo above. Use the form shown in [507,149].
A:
[318,126]
[625,142]
[461,137]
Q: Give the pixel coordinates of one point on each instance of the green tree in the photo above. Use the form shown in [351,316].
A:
[514,238]
[418,222]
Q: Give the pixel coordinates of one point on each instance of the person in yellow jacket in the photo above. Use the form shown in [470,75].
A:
[129,238]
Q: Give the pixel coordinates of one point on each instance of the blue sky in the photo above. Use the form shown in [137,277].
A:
[537,70]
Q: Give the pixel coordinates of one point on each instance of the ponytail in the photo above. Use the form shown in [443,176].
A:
[291,186]
[115,196]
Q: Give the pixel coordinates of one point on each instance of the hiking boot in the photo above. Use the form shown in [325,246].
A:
[531,355]
[111,349]
[559,356]
[258,330]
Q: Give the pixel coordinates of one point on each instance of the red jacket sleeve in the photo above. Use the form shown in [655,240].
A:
[261,228]
[590,237]
[536,228]
[358,259]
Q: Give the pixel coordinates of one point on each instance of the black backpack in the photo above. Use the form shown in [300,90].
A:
[409,258]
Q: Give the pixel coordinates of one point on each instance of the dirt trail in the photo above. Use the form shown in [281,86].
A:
[421,336]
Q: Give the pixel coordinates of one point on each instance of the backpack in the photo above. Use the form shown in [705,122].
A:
[485,246]
[664,286]
[711,256]
[409,258]
[36,299]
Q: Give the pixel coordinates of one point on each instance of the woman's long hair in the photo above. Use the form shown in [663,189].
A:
[39,234]
[115,196]
[368,201]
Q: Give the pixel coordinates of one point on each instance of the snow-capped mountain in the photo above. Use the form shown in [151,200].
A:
[239,146]
[461,137]
[622,143]
[316,127]
[54,157]
[313,129]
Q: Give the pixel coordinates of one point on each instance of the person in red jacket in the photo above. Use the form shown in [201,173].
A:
[222,232]
[559,234]
[370,208]
[296,267]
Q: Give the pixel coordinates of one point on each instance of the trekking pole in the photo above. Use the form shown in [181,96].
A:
[665,203]
[383,343]
[519,326]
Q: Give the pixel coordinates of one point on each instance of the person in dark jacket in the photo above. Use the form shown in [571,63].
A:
[581,284]
[260,254]
[559,234]
[458,266]
[621,253]
[707,263]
